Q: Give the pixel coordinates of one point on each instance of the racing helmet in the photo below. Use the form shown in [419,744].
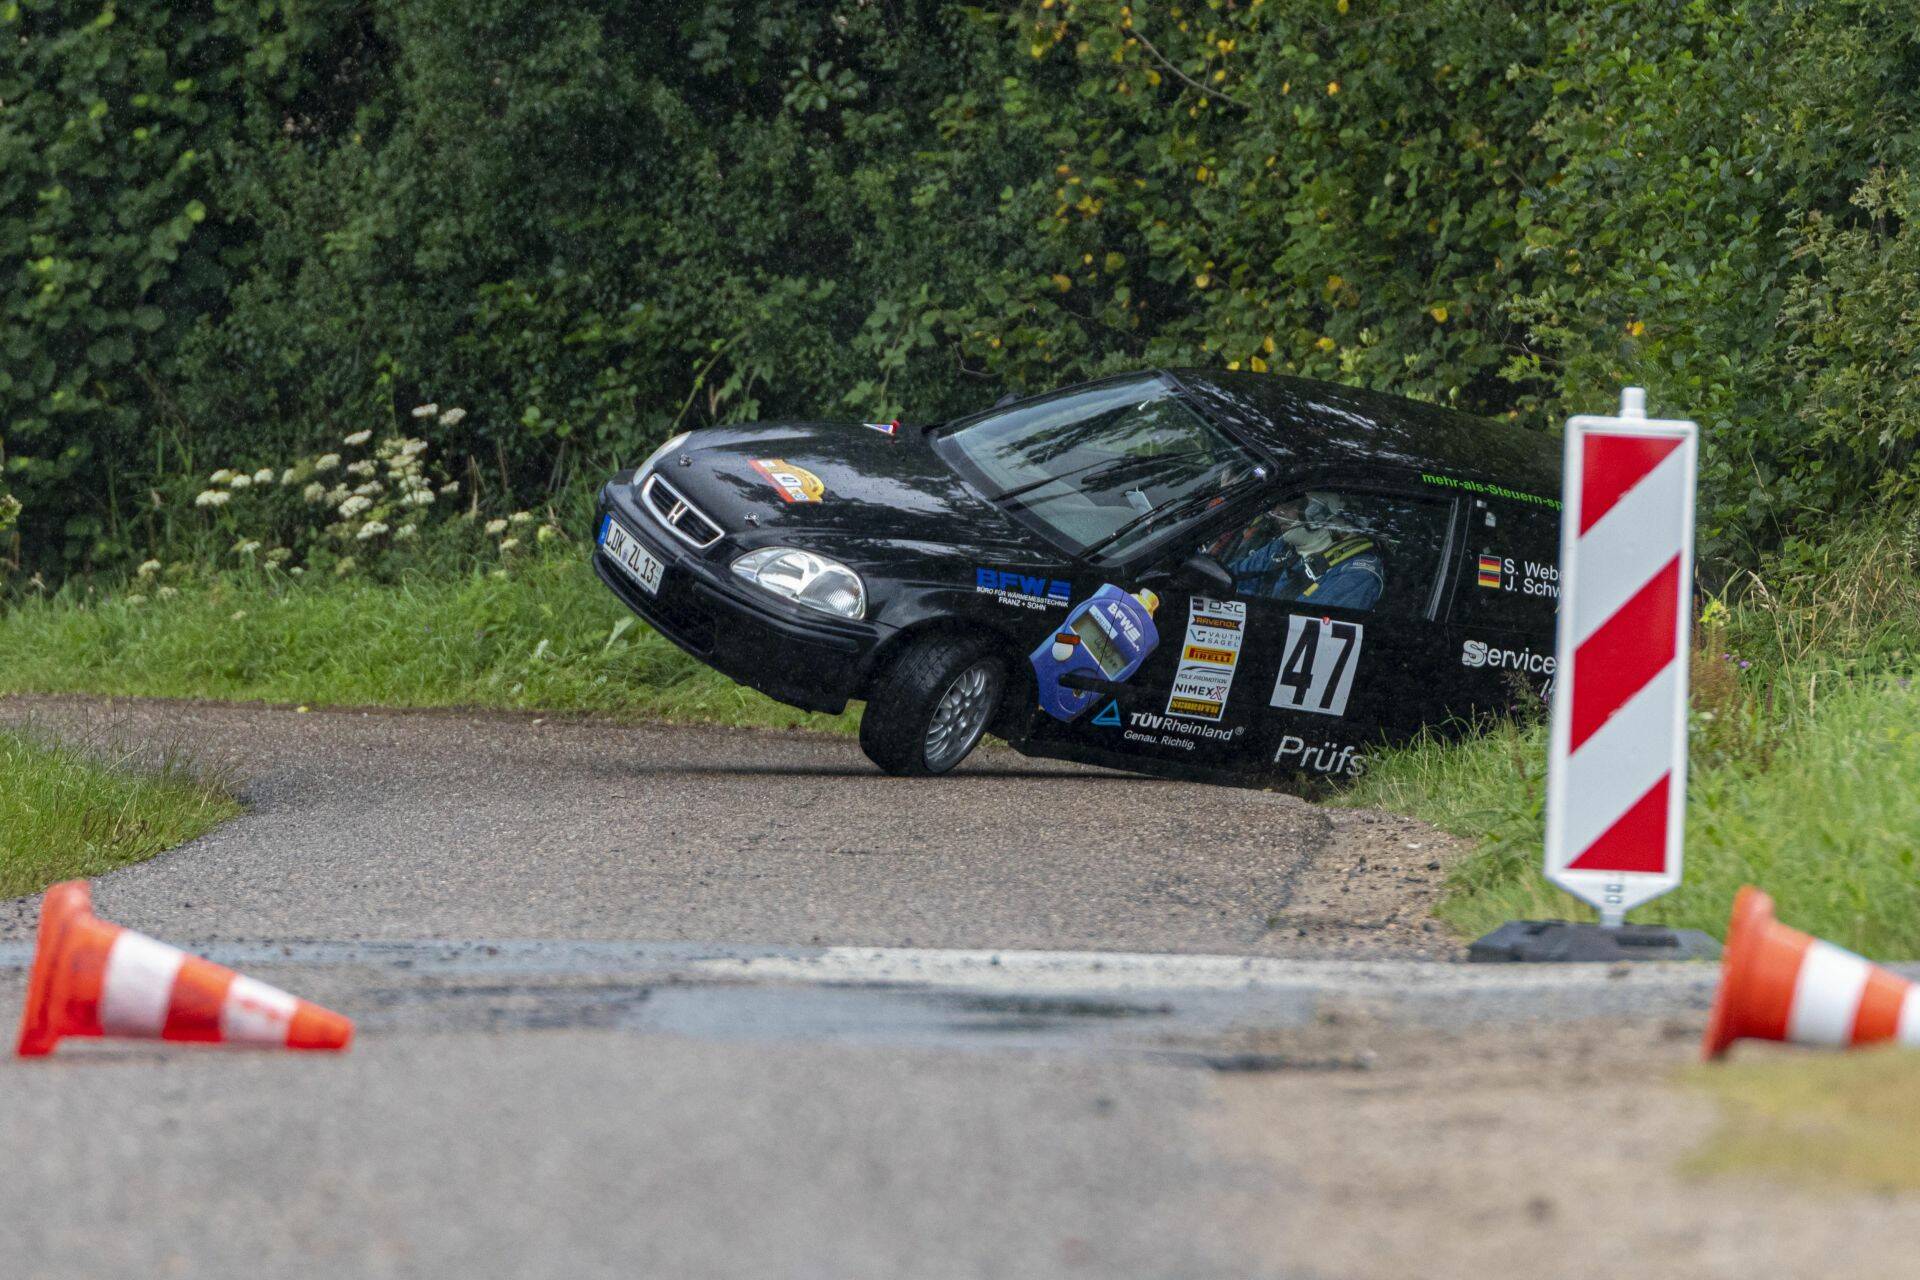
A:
[1324,516]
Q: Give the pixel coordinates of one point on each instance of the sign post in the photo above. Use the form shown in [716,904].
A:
[1617,759]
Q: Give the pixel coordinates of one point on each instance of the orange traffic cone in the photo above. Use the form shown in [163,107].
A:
[1777,983]
[91,978]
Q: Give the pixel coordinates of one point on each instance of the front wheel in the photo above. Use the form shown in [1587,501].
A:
[928,710]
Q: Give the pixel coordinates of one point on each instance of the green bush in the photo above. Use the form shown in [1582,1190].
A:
[231,233]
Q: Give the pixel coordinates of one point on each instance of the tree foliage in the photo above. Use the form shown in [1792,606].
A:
[233,231]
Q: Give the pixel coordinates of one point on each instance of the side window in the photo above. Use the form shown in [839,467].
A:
[1348,549]
[1509,575]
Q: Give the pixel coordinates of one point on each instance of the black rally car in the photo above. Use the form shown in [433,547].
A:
[1230,576]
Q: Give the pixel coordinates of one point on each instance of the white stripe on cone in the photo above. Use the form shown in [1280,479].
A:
[139,985]
[1826,1000]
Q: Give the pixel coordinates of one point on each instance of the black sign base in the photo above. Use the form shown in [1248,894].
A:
[1561,941]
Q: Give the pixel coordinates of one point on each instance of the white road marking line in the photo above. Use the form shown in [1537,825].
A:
[958,969]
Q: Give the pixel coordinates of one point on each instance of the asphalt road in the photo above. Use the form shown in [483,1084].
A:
[380,825]
[641,1000]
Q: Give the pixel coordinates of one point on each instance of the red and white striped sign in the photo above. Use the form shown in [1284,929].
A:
[1617,772]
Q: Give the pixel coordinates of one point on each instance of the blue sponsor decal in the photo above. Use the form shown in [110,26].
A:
[1106,637]
[1031,590]
[1110,716]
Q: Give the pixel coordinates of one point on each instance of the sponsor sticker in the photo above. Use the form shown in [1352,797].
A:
[1478,653]
[1152,729]
[1331,758]
[1026,590]
[1490,567]
[1215,629]
[884,428]
[1317,666]
[794,484]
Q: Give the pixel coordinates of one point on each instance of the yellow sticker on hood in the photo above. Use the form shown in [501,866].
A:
[795,484]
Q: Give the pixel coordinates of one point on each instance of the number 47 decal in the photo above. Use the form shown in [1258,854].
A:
[1316,673]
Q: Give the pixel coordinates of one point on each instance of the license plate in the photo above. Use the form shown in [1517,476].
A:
[634,560]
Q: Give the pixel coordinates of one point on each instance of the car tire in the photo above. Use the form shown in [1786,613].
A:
[929,708]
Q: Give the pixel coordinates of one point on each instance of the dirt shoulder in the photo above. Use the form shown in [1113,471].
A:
[1545,1151]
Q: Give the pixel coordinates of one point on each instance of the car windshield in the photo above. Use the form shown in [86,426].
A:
[1103,468]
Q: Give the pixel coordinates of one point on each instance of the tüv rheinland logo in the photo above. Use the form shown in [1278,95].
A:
[1478,653]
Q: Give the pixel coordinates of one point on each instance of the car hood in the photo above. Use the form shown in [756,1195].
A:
[834,485]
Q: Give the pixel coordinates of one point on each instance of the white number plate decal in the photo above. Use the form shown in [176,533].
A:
[635,560]
[1317,672]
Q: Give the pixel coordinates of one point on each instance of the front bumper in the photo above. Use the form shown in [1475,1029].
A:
[815,663]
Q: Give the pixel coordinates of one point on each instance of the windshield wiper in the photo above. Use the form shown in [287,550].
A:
[1198,500]
[1096,470]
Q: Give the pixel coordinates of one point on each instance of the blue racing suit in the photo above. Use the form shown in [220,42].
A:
[1350,574]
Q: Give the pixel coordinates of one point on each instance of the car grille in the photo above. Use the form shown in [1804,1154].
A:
[682,519]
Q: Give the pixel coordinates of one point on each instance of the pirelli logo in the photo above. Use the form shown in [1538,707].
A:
[1211,656]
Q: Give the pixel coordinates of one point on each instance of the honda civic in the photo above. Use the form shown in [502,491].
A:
[1218,575]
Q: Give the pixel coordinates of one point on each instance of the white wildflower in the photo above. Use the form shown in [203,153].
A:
[425,410]
[358,438]
[326,462]
[246,546]
[221,476]
[496,527]
[452,417]
[265,475]
[136,600]
[508,544]
[547,533]
[289,477]
[239,615]
[354,506]
[148,568]
[418,498]
[167,593]
[337,495]
[521,517]
[314,492]
[450,488]
[404,532]
[362,468]
[370,530]
[498,573]
[371,489]
[279,555]
[413,448]
[297,571]
[212,498]
[344,568]
[241,481]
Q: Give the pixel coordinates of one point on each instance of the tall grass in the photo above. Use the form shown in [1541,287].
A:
[548,638]
[66,813]
[1805,771]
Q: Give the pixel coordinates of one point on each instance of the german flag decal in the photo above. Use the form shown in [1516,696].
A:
[1490,571]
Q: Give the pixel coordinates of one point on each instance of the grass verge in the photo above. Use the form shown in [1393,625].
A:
[1805,771]
[550,638]
[1841,1120]
[66,814]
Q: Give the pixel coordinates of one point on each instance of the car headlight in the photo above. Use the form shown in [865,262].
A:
[811,580]
[665,449]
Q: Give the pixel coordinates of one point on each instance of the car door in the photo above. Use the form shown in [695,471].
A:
[1141,672]
[1344,638]
[1500,637]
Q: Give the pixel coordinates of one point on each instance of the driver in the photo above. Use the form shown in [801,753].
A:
[1323,554]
